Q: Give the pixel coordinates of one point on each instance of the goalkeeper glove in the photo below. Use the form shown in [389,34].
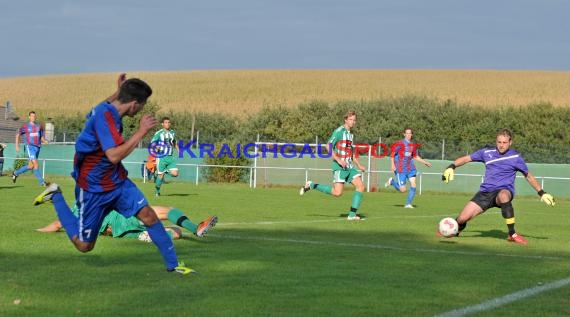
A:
[546,198]
[448,173]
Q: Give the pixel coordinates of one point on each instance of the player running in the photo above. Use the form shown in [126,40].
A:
[402,159]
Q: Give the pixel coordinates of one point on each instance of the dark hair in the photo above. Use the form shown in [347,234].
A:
[134,89]
[408,128]
[30,113]
[164,118]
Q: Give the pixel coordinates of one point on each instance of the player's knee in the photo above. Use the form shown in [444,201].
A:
[403,189]
[507,210]
[174,173]
[336,193]
[84,247]
[504,196]
[147,216]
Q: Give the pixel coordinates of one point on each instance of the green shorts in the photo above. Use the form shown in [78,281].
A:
[165,164]
[345,175]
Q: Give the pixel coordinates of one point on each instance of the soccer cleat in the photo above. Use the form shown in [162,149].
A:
[409,206]
[517,238]
[354,218]
[305,188]
[388,182]
[144,237]
[206,225]
[14,176]
[47,194]
[182,269]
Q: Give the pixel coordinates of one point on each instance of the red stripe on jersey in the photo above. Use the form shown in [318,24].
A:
[116,134]
[89,163]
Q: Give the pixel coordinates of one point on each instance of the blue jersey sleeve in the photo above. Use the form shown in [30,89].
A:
[108,130]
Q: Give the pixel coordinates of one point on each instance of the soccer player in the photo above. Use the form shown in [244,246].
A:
[33,140]
[498,188]
[117,226]
[402,157]
[165,139]
[345,166]
[101,179]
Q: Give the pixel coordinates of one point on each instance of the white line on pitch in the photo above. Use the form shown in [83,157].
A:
[385,247]
[504,300]
[324,220]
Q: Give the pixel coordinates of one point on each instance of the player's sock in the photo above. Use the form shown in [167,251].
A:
[509,214]
[177,216]
[411,195]
[356,200]
[66,217]
[21,170]
[164,244]
[395,184]
[461,226]
[158,183]
[327,189]
[39,176]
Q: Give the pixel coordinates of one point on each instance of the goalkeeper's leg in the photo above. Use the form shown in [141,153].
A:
[470,211]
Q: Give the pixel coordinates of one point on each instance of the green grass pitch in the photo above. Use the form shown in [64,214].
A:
[275,253]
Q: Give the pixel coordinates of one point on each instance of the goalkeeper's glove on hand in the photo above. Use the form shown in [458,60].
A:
[546,198]
[448,173]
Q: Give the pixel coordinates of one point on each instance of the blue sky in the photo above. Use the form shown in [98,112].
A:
[78,36]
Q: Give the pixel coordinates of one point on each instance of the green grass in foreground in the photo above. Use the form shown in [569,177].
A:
[275,253]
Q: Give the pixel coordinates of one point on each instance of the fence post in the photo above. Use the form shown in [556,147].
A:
[197,173]
[44,168]
[368,169]
[443,149]
[255,164]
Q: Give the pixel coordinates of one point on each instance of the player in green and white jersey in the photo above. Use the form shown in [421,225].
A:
[117,226]
[345,166]
[165,160]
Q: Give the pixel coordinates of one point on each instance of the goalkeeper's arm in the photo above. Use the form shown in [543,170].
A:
[544,196]
[448,174]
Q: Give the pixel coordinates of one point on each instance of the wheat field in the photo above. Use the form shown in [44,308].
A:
[243,92]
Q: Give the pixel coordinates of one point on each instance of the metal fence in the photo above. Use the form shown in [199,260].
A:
[267,175]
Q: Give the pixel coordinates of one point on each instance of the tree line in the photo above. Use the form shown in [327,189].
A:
[540,130]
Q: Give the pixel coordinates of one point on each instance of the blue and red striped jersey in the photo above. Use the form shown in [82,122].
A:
[403,153]
[92,170]
[33,133]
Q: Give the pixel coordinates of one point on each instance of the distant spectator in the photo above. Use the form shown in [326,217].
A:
[2,147]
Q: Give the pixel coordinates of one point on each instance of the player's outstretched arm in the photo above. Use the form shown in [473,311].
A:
[544,196]
[449,173]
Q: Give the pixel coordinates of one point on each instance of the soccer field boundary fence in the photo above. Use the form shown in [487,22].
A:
[269,172]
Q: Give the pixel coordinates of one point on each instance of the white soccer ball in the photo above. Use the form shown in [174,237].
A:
[448,227]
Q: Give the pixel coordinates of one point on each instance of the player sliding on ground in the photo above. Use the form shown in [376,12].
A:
[498,188]
[117,226]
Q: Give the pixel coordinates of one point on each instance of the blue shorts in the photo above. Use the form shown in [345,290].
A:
[33,152]
[401,178]
[127,200]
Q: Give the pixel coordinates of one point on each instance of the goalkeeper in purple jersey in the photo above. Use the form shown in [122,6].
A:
[498,188]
